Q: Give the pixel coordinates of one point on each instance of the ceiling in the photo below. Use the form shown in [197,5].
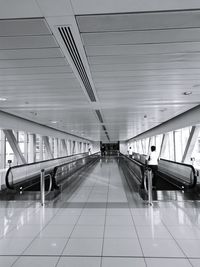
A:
[138,66]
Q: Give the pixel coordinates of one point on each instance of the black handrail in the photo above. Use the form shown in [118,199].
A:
[34,163]
[69,162]
[187,165]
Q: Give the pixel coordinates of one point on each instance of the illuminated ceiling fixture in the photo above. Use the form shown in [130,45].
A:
[187,93]
[2,99]
[54,122]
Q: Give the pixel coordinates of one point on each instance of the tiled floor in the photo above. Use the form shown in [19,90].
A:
[100,224]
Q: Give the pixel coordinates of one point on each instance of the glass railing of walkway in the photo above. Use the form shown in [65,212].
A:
[184,175]
[16,175]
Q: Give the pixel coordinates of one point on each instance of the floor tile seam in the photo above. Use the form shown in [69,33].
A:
[72,230]
[108,188]
[176,242]
[95,256]
[35,236]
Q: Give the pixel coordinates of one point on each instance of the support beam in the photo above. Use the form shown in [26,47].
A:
[190,143]
[32,148]
[55,147]
[174,145]
[47,146]
[3,150]
[162,145]
[14,145]
[64,147]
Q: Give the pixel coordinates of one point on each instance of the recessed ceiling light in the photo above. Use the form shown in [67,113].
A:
[2,99]
[54,122]
[187,93]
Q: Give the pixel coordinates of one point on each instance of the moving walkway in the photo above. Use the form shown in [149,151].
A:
[172,177]
[23,181]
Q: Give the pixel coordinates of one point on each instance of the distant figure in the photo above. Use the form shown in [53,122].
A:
[152,162]
[89,151]
[130,152]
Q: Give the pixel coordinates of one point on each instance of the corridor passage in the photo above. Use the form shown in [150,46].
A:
[100,223]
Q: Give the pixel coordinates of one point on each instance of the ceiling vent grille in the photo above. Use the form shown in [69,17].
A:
[99,115]
[70,44]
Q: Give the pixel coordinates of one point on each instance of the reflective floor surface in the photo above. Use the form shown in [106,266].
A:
[100,223]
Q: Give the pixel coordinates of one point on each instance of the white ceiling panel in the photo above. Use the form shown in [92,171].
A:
[140,21]
[20,42]
[21,27]
[29,63]
[127,6]
[191,73]
[31,53]
[139,63]
[19,9]
[37,77]
[50,82]
[141,59]
[35,70]
[142,37]
[142,64]
[188,47]
[148,66]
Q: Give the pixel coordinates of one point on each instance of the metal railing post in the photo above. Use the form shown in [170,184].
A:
[42,186]
[149,175]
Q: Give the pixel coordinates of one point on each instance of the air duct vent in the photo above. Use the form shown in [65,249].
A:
[70,44]
[99,115]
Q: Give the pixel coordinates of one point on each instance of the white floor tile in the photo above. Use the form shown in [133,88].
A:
[195,262]
[69,212]
[29,261]
[46,246]
[91,220]
[9,246]
[123,262]
[85,231]
[25,231]
[167,263]
[119,220]
[67,219]
[191,247]
[57,231]
[147,220]
[153,231]
[121,247]
[79,262]
[184,232]
[94,212]
[120,232]
[84,247]
[160,248]
[124,212]
[7,261]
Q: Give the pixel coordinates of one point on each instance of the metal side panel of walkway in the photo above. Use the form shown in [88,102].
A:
[98,222]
